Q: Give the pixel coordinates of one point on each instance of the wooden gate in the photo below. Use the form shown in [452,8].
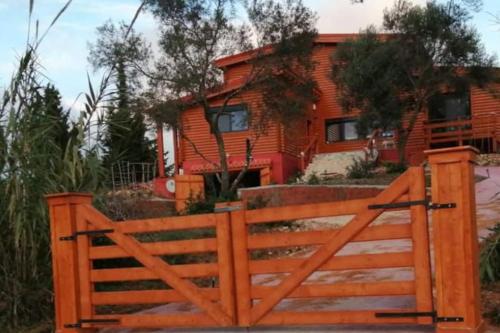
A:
[255,303]
[248,289]
[142,258]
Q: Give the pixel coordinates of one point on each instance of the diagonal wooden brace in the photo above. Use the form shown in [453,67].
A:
[156,265]
[325,252]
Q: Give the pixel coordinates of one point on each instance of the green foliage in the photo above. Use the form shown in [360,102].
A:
[200,205]
[40,153]
[360,168]
[194,34]
[313,179]
[121,51]
[391,78]
[494,316]
[295,178]
[257,202]
[395,167]
[489,261]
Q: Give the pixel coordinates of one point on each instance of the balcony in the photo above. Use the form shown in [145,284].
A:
[480,131]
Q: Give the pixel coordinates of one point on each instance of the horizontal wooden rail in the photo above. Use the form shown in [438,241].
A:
[140,273]
[445,124]
[146,296]
[295,212]
[388,288]
[157,248]
[360,261]
[166,224]
[286,239]
[157,321]
[332,317]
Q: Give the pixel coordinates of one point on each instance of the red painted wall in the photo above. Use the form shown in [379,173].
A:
[282,165]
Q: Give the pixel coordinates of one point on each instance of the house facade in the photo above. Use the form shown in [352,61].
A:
[285,149]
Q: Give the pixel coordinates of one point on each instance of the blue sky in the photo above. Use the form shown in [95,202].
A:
[64,52]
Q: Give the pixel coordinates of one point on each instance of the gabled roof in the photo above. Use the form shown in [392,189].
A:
[247,55]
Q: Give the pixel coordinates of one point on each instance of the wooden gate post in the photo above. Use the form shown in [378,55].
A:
[62,211]
[455,239]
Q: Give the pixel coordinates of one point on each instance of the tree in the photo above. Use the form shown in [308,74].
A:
[121,51]
[195,33]
[475,5]
[52,107]
[391,78]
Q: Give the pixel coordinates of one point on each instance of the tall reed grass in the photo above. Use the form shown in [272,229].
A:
[31,166]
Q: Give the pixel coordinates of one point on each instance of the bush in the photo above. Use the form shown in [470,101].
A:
[489,268]
[395,167]
[313,179]
[200,205]
[296,177]
[257,202]
[360,168]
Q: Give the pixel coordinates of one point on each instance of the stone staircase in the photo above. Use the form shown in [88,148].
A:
[331,164]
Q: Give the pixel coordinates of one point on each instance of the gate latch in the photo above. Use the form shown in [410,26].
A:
[92,321]
[433,314]
[426,203]
[88,232]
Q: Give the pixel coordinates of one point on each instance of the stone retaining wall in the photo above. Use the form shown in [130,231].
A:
[284,195]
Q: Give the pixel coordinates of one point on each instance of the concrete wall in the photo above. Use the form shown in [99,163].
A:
[283,195]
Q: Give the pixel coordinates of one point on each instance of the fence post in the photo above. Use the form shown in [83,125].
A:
[63,220]
[242,278]
[225,259]
[455,239]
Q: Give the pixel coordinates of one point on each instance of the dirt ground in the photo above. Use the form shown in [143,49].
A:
[488,214]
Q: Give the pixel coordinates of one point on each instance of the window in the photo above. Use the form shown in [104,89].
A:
[449,106]
[234,118]
[341,130]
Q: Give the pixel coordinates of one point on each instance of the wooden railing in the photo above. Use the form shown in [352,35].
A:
[134,254]
[308,153]
[462,130]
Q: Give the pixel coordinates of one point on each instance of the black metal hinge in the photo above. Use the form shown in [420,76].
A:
[433,314]
[92,321]
[89,232]
[426,203]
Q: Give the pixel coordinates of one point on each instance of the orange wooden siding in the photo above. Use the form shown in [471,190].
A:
[291,139]
[197,130]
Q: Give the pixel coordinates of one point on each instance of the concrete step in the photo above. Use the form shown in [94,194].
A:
[332,163]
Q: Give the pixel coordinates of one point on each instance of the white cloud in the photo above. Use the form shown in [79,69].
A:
[341,16]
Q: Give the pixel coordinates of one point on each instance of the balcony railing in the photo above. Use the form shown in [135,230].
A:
[462,130]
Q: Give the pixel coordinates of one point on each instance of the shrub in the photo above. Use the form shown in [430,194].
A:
[199,205]
[257,202]
[399,167]
[313,179]
[490,257]
[293,179]
[360,168]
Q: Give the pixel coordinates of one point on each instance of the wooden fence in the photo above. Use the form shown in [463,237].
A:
[128,273]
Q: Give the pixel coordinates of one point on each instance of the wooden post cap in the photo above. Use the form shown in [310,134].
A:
[69,197]
[453,154]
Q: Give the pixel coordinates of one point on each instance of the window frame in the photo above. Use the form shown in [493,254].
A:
[341,122]
[441,97]
[227,112]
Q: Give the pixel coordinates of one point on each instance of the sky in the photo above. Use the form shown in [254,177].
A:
[63,53]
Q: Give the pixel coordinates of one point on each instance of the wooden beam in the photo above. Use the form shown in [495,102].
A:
[346,234]
[156,265]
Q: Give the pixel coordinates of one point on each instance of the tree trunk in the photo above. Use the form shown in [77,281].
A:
[403,139]
[224,165]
